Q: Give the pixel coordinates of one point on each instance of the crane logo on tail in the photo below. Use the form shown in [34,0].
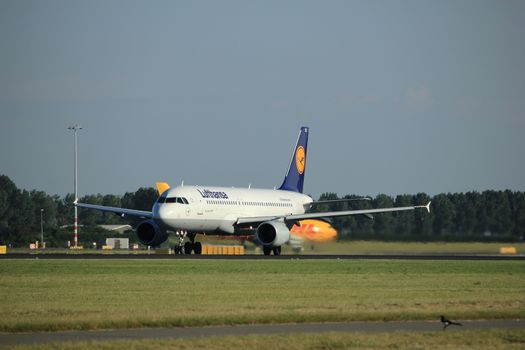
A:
[300,159]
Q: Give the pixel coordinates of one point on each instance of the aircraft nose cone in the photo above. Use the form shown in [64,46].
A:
[165,214]
[163,211]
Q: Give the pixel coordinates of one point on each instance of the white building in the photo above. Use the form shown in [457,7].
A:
[118,243]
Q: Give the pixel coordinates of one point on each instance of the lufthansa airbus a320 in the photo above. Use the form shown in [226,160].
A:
[268,214]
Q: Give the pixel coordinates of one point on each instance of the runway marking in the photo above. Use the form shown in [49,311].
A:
[262,329]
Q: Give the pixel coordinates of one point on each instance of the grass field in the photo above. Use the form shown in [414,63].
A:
[93,294]
[480,340]
[378,247]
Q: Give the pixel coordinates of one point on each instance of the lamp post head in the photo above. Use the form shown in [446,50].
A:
[75,127]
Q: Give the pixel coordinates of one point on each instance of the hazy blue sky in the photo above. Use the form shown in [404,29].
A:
[401,96]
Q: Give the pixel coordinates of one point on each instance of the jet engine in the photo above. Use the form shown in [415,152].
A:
[273,233]
[149,233]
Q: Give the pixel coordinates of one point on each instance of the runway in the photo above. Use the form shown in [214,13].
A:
[216,331]
[271,257]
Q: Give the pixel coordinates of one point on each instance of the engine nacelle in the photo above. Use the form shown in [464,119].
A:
[149,233]
[273,233]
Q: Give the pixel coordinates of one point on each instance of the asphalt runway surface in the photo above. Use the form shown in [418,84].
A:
[271,257]
[219,331]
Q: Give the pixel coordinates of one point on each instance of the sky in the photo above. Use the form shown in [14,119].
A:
[401,97]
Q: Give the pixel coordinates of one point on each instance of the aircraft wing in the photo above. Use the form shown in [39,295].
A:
[330,201]
[119,211]
[255,220]
[295,217]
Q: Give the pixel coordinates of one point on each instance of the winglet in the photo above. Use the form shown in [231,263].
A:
[427,207]
[162,187]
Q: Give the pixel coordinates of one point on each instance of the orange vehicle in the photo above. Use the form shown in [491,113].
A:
[314,231]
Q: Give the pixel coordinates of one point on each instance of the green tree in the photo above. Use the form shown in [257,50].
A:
[8,193]
[403,220]
[443,213]
[384,222]
[142,199]
[498,213]
[65,210]
[517,204]
[422,220]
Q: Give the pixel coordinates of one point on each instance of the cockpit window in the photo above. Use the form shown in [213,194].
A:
[180,200]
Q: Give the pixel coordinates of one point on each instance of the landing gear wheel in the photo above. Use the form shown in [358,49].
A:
[180,235]
[188,247]
[276,250]
[197,248]
[267,250]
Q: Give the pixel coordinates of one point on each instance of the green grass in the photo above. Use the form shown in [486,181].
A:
[481,340]
[93,294]
[378,247]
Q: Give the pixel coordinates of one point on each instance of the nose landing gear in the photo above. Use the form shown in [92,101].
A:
[180,235]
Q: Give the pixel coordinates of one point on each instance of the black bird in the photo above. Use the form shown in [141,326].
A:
[446,322]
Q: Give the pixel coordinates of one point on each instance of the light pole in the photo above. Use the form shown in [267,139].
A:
[42,227]
[75,129]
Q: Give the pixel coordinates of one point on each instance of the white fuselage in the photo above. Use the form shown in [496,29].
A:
[205,209]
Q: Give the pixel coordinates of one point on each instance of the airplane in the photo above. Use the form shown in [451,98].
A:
[269,214]
[315,231]
[310,230]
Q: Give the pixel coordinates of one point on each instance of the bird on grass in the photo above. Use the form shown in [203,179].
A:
[446,322]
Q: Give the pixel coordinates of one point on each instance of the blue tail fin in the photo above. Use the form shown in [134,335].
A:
[294,179]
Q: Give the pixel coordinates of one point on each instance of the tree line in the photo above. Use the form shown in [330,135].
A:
[489,215]
[472,216]
[20,214]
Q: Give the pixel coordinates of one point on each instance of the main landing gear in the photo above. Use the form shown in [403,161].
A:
[188,247]
[196,247]
[269,250]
